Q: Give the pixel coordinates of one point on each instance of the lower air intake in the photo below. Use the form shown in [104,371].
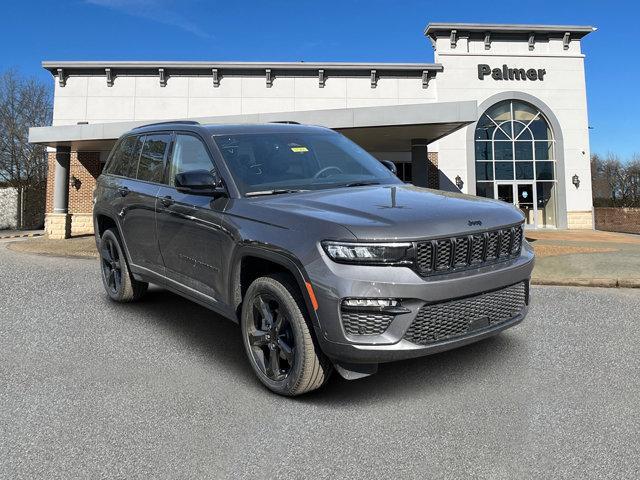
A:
[442,321]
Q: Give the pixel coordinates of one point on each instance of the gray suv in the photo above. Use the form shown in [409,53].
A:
[321,254]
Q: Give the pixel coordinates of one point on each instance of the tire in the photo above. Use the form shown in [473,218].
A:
[114,269]
[302,367]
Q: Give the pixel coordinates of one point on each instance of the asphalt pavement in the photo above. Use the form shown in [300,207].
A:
[161,389]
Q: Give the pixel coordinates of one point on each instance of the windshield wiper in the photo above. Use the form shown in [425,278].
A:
[275,191]
[361,184]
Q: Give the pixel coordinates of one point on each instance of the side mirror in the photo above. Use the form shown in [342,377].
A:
[199,182]
[390,165]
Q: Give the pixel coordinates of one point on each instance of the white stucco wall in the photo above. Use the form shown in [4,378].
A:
[89,99]
[562,90]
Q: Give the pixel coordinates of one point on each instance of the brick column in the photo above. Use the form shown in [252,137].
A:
[433,174]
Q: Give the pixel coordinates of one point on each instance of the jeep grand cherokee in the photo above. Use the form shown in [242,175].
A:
[321,254]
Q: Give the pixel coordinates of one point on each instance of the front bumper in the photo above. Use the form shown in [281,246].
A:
[333,282]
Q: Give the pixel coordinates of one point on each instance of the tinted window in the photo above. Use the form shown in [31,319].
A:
[151,165]
[189,153]
[125,159]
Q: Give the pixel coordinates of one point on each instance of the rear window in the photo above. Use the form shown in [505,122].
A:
[151,165]
[124,160]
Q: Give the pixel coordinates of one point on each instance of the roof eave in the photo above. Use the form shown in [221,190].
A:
[578,30]
[53,66]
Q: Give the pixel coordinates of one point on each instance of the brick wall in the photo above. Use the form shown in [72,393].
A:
[433,174]
[626,220]
[86,167]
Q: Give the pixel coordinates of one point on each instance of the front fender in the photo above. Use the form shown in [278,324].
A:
[278,256]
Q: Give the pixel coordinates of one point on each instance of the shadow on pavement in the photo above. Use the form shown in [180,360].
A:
[212,335]
[219,340]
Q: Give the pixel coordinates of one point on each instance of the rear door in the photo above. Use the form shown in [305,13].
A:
[120,179]
[190,232]
[137,215]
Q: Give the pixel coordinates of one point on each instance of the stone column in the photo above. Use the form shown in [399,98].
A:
[419,162]
[58,223]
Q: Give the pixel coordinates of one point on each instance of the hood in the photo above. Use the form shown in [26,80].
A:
[396,212]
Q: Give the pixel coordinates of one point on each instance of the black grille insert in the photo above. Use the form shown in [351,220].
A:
[443,254]
[472,251]
[442,321]
[425,257]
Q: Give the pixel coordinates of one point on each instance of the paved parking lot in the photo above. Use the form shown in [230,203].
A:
[161,389]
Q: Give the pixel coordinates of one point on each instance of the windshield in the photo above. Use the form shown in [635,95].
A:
[283,162]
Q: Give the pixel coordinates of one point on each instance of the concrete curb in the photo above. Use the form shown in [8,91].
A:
[21,235]
[589,282]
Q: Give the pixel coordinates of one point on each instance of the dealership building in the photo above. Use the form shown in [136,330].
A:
[501,113]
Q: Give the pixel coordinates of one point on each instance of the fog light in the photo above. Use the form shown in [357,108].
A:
[390,306]
[370,302]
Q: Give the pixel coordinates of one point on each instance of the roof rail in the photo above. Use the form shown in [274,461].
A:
[174,122]
[289,122]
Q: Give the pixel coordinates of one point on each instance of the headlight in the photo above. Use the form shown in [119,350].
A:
[368,253]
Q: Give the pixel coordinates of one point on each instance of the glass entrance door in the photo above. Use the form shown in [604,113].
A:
[522,195]
[526,203]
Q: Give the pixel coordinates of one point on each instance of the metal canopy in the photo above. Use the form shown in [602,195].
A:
[386,128]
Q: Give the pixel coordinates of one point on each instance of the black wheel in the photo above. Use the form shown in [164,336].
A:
[278,338]
[116,277]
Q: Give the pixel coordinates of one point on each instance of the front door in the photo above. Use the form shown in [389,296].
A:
[522,195]
[189,226]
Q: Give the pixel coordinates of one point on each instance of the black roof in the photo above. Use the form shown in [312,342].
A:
[229,129]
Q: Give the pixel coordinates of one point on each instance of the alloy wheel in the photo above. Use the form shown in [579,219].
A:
[270,337]
[111,266]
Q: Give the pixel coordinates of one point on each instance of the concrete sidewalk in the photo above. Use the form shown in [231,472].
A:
[586,258]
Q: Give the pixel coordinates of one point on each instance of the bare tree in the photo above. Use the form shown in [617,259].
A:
[24,103]
[616,183]
[632,170]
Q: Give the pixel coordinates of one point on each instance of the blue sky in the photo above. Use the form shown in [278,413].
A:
[346,30]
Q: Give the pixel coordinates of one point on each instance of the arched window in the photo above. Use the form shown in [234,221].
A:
[515,160]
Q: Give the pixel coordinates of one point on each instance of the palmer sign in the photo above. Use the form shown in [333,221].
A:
[506,73]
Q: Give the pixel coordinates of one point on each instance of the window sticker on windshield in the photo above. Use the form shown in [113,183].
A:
[298,148]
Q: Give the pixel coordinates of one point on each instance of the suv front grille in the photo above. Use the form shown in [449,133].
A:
[458,253]
[441,321]
[365,323]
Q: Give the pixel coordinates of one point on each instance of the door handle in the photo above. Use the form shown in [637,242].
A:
[167,201]
[124,191]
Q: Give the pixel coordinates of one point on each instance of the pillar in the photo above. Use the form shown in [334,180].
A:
[419,162]
[58,223]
